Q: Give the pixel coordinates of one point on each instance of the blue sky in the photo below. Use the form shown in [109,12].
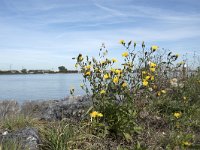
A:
[44,34]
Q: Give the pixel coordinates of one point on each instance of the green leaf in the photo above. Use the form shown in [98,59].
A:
[138,129]
[138,146]
[91,107]
[129,43]
[128,137]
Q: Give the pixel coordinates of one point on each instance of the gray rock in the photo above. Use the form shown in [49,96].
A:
[73,107]
[27,138]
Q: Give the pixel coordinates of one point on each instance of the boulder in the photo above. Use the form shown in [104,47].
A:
[23,139]
[73,107]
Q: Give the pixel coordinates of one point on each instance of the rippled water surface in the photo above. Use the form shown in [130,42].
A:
[39,87]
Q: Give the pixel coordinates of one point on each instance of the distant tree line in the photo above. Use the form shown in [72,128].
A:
[61,69]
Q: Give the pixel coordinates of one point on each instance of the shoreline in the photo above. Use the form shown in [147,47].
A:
[38,73]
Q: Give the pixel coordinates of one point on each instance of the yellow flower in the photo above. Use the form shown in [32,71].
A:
[187,143]
[152,78]
[152,69]
[76,65]
[114,60]
[106,76]
[181,63]
[81,85]
[87,67]
[184,98]
[80,58]
[144,72]
[103,62]
[177,55]
[102,92]
[117,71]
[99,115]
[122,42]
[112,70]
[88,73]
[95,114]
[163,91]
[115,80]
[177,114]
[125,54]
[154,87]
[154,48]
[97,69]
[152,65]
[147,77]
[159,93]
[145,83]
[124,84]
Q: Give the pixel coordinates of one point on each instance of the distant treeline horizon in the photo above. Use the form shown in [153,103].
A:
[61,69]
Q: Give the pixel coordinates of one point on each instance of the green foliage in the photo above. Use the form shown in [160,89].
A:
[116,90]
[62,69]
[24,71]
[147,102]
[16,122]
[57,136]
[11,145]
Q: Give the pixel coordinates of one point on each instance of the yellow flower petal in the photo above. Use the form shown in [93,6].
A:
[88,73]
[115,80]
[124,84]
[125,54]
[152,69]
[145,83]
[159,93]
[147,77]
[177,114]
[186,143]
[117,71]
[163,91]
[144,72]
[154,48]
[106,76]
[114,60]
[93,114]
[152,78]
[102,92]
[152,65]
[122,42]
[87,67]
[99,115]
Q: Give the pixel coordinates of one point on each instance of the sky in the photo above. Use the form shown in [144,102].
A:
[45,34]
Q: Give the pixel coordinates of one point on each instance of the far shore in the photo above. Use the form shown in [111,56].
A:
[75,72]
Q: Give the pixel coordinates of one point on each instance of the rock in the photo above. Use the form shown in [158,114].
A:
[72,108]
[27,138]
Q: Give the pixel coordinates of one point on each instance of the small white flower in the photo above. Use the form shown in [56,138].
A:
[5,133]
[174,82]
[150,89]
[181,85]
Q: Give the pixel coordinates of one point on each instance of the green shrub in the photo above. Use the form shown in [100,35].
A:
[115,91]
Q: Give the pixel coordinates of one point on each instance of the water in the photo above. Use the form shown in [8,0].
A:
[39,87]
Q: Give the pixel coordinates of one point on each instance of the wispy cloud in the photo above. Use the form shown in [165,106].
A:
[43,31]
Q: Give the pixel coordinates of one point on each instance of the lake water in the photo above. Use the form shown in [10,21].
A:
[39,86]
